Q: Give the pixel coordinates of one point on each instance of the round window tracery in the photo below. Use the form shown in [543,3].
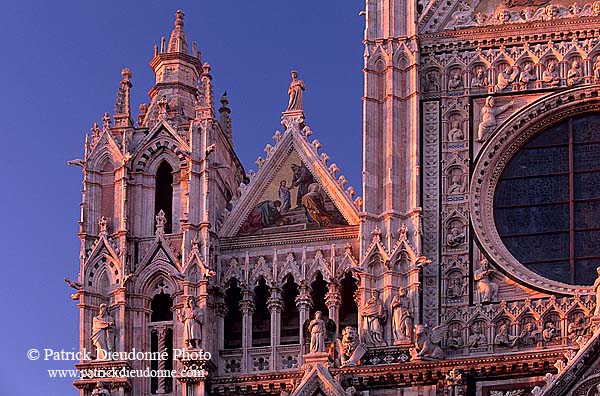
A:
[547,202]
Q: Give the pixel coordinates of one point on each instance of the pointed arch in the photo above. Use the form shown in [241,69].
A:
[290,315]
[233,318]
[261,317]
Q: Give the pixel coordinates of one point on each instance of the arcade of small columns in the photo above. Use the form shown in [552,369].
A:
[289,299]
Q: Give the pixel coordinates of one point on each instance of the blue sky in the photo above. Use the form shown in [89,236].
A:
[60,71]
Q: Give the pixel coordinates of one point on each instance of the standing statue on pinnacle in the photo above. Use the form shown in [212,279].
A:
[295,92]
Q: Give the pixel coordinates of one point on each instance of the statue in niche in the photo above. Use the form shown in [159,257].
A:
[574,75]
[507,77]
[455,133]
[192,318]
[577,330]
[315,207]
[350,349]
[597,69]
[456,184]
[374,315]
[402,317]
[317,333]
[455,236]
[100,390]
[549,332]
[302,179]
[529,336]
[285,197]
[485,289]
[455,340]
[455,81]
[489,112]
[503,338]
[550,75]
[527,76]
[479,80]
[103,332]
[597,292]
[295,92]
[432,81]
[477,338]
[456,286]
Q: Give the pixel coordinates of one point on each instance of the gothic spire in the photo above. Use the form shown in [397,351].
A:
[178,42]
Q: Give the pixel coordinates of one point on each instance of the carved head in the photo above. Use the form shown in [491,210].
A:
[489,102]
[575,64]
[596,7]
[484,264]
[318,315]
[191,302]
[503,15]
[294,74]
[552,11]
[479,73]
[282,183]
[349,336]
[102,310]
[528,68]
[551,66]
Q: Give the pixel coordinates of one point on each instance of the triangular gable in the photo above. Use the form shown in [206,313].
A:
[292,147]
[580,376]
[160,247]
[99,246]
[156,130]
[194,262]
[318,377]
[105,142]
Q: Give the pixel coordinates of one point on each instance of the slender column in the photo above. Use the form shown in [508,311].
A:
[275,305]
[333,300]
[247,308]
[304,304]
[162,334]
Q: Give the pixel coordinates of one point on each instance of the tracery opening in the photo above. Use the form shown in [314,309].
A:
[163,199]
[233,319]
[547,202]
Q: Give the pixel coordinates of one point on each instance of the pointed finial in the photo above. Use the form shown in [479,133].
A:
[178,42]
[126,74]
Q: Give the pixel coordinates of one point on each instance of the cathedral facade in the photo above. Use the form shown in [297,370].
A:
[467,266]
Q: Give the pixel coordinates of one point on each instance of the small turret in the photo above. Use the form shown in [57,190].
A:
[224,118]
[178,42]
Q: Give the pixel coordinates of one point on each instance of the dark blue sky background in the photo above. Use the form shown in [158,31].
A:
[60,68]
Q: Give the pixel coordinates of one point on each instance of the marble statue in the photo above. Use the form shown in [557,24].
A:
[455,340]
[577,330]
[427,343]
[402,317]
[549,332]
[349,347]
[295,92]
[503,338]
[192,318]
[485,289]
[527,76]
[100,390]
[479,80]
[597,292]
[456,185]
[574,75]
[597,70]
[477,338]
[550,75]
[455,237]
[317,333]
[507,77]
[489,112]
[103,332]
[455,133]
[455,81]
[374,315]
[431,82]
[453,383]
